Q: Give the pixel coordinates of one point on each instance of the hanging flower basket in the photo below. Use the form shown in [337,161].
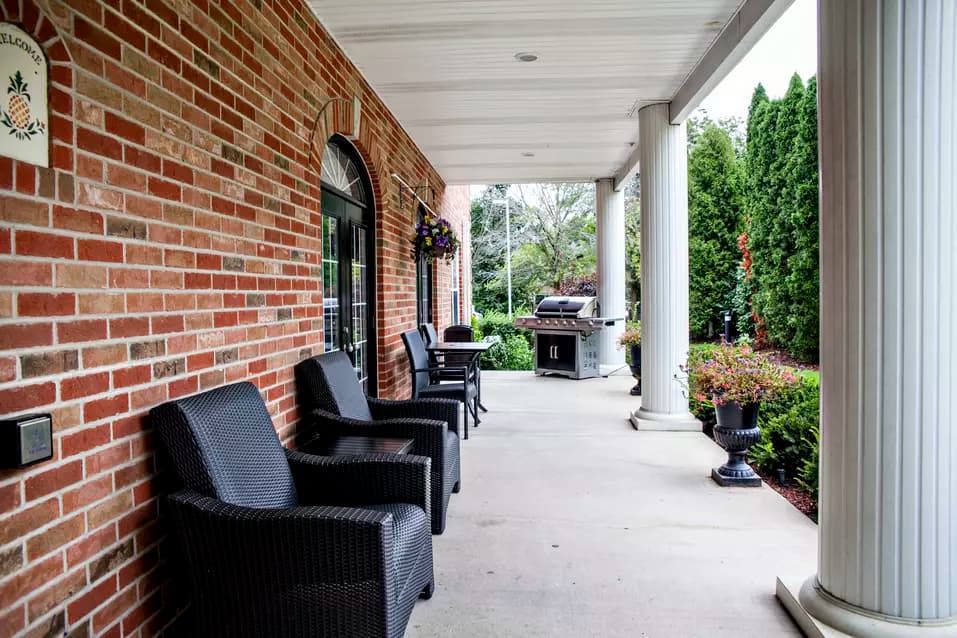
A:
[434,239]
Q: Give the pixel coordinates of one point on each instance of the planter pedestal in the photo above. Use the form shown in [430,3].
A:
[635,367]
[736,431]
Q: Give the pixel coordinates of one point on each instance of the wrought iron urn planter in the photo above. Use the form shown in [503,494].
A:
[635,366]
[736,431]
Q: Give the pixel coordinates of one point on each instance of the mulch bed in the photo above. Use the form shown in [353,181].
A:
[798,497]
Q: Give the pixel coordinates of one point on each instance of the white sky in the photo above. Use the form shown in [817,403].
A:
[789,46]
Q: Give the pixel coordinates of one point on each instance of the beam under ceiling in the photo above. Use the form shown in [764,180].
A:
[748,25]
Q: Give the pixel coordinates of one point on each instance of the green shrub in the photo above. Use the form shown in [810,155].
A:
[512,353]
[790,434]
[500,325]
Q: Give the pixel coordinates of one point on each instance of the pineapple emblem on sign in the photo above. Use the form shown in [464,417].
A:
[24,110]
[16,117]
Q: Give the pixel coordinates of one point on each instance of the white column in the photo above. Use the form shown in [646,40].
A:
[887,563]
[664,272]
[610,218]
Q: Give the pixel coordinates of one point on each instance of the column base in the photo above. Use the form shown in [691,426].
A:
[657,421]
[821,615]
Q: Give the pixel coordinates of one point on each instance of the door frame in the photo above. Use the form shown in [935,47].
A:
[369,223]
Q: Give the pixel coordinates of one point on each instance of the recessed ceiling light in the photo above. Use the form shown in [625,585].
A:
[713,23]
[528,154]
[526,57]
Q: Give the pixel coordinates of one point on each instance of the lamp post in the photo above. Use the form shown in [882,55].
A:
[508,250]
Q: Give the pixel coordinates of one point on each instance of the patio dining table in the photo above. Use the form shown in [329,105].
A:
[473,348]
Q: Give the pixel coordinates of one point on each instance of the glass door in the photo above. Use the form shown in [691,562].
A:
[346,259]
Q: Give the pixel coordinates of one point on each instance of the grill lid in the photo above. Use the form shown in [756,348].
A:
[557,306]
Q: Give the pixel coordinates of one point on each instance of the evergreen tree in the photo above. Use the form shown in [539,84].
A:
[714,220]
[781,208]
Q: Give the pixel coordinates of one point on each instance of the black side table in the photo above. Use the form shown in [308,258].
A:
[330,445]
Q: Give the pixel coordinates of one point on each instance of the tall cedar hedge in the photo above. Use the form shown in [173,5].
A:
[781,205]
[714,221]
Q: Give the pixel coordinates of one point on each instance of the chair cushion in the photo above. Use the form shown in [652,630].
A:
[329,382]
[447,391]
[223,445]
[410,531]
[451,459]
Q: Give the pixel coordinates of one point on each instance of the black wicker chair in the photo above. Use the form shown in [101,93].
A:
[331,396]
[463,389]
[280,543]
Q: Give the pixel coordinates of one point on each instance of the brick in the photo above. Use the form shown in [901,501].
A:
[61,590]
[27,274]
[55,537]
[11,560]
[143,255]
[42,304]
[98,356]
[129,278]
[88,492]
[43,245]
[144,302]
[78,387]
[14,210]
[102,304]
[30,579]
[129,327]
[9,497]
[25,335]
[103,408]
[11,622]
[49,363]
[122,227]
[87,330]
[8,369]
[26,397]
[98,250]
[110,509]
[169,368]
[110,560]
[112,611]
[135,375]
[147,349]
[84,440]
[81,221]
[107,459]
[183,387]
[53,480]
[18,525]
[85,604]
[80,276]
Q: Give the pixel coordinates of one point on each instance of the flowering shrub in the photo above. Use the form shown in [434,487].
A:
[434,239]
[631,336]
[736,374]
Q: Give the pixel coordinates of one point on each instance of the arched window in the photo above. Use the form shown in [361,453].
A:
[339,170]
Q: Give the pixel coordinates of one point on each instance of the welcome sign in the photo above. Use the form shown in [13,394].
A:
[24,130]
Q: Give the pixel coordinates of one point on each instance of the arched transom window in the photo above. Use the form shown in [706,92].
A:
[339,170]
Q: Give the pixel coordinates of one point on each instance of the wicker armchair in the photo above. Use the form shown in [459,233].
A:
[330,394]
[280,543]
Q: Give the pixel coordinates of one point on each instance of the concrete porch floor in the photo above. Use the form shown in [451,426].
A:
[571,523]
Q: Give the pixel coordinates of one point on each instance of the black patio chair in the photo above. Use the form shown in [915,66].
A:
[331,398]
[463,389]
[458,334]
[280,543]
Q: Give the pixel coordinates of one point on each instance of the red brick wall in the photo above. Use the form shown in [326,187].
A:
[172,246]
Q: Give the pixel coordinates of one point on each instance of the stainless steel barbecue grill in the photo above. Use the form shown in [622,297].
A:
[566,336]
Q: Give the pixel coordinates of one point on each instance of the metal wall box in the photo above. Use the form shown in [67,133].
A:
[26,440]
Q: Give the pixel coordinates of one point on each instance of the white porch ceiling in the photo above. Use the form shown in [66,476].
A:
[447,70]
